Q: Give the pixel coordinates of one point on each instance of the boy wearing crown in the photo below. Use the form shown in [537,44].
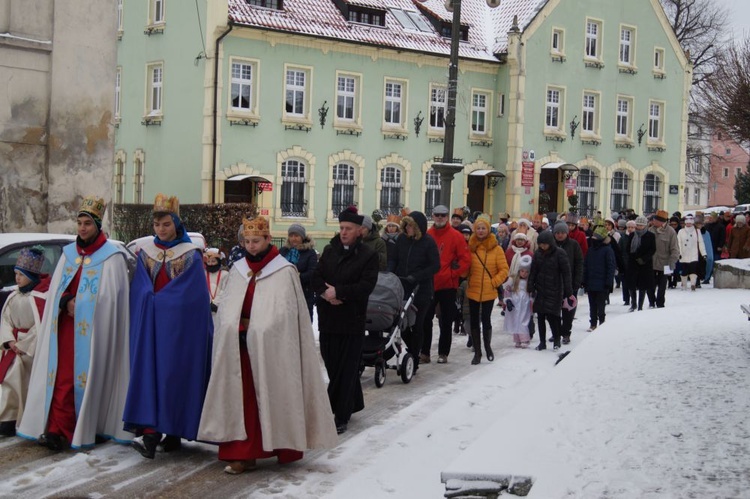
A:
[266,397]
[19,321]
[170,336]
[81,366]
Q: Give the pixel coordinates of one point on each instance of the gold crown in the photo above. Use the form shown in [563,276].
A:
[93,206]
[164,204]
[256,227]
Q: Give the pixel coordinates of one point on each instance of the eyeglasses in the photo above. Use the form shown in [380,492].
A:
[439,215]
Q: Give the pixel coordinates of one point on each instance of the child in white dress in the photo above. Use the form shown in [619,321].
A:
[518,304]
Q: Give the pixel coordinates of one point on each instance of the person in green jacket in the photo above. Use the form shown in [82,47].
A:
[372,239]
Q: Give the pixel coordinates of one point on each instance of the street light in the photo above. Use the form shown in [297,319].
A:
[449,165]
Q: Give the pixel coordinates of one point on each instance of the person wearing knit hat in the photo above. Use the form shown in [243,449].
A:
[665,258]
[516,250]
[517,302]
[692,249]
[299,250]
[86,338]
[525,227]
[545,223]
[346,274]
[575,232]
[574,253]
[639,248]
[489,269]
[371,238]
[598,275]
[21,318]
[739,239]
[171,327]
[391,232]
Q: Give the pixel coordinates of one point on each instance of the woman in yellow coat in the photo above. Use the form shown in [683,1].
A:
[489,269]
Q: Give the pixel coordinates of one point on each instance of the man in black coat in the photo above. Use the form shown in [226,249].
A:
[575,260]
[343,280]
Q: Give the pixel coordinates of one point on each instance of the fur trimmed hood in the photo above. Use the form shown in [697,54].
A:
[417,220]
[307,244]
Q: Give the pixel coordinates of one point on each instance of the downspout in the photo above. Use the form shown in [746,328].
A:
[216,112]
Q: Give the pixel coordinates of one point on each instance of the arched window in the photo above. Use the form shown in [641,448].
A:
[293,202]
[620,191]
[432,194]
[390,195]
[586,190]
[651,194]
[138,181]
[343,188]
[119,180]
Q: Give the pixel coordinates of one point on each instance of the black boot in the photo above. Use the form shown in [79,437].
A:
[488,345]
[8,429]
[53,441]
[171,443]
[146,444]
[476,340]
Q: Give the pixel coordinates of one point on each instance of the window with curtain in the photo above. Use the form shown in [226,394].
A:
[293,202]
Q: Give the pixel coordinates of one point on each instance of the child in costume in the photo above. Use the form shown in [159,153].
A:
[518,304]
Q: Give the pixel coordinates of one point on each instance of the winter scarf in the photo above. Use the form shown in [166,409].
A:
[293,256]
[515,263]
[636,242]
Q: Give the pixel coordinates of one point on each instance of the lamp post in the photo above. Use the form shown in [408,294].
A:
[449,165]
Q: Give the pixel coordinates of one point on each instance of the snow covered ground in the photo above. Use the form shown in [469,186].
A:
[652,404]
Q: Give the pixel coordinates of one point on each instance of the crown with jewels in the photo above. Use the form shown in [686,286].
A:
[93,206]
[167,204]
[31,259]
[258,226]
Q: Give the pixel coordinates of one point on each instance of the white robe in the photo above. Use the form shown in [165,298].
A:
[292,401]
[109,363]
[517,321]
[691,244]
[19,312]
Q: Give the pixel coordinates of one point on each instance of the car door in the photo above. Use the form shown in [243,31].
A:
[9,256]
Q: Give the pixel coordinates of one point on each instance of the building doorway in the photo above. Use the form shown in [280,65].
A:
[475,198]
[549,183]
[244,189]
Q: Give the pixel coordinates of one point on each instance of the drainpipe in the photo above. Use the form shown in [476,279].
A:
[216,112]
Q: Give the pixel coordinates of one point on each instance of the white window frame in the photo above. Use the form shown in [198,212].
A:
[139,176]
[241,112]
[392,101]
[432,191]
[652,190]
[590,115]
[554,110]
[120,20]
[304,116]
[500,105]
[656,121]
[658,61]
[696,196]
[557,41]
[156,12]
[341,183]
[478,110]
[289,184]
[627,115]
[593,41]
[351,95]
[155,90]
[118,93]
[686,195]
[622,193]
[627,46]
[118,193]
[586,187]
[438,107]
[392,179]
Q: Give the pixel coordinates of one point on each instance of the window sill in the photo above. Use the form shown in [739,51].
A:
[299,220]
[656,146]
[659,75]
[624,143]
[554,134]
[593,63]
[591,139]
[436,135]
[346,126]
[154,29]
[627,69]
[152,120]
[248,119]
[296,120]
[480,140]
[557,56]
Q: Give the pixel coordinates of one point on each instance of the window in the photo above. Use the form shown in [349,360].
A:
[586,190]
[394,100]
[553,113]
[659,60]
[347,98]
[655,128]
[627,40]
[557,41]
[500,105]
[296,90]
[293,203]
[156,11]
[623,125]
[372,17]
[390,194]
[737,172]
[268,4]
[412,20]
[119,177]
[138,180]
[118,93]
[479,105]
[437,108]
[155,80]
[119,18]
[343,188]
[726,172]
[243,91]
[620,191]
[727,151]
[696,196]
[590,121]
[686,195]
[432,192]
[651,194]
[593,32]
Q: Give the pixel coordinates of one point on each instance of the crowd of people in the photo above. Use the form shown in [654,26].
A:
[192,347]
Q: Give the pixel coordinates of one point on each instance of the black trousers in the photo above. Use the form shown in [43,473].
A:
[485,316]
[342,354]
[446,298]
[597,304]
[554,325]
[414,335]
[625,291]
[656,296]
[566,324]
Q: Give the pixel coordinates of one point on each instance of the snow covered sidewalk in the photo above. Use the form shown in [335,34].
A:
[652,404]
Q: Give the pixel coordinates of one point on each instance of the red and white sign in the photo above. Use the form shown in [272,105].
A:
[570,183]
[265,186]
[527,173]
[264,212]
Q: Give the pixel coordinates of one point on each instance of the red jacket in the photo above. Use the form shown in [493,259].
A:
[580,237]
[455,258]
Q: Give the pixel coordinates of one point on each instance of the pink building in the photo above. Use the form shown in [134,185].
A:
[728,158]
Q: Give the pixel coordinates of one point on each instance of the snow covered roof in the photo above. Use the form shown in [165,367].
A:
[488,27]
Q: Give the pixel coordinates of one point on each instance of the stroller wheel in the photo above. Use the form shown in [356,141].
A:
[379,374]
[407,368]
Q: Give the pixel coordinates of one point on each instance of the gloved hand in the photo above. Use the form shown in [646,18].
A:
[410,279]
[509,305]
[570,302]
[214,307]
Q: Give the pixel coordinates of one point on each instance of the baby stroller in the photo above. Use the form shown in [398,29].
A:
[387,316]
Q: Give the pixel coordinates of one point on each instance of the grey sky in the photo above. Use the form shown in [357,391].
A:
[739,17]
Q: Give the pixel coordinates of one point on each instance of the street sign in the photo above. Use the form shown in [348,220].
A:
[527,173]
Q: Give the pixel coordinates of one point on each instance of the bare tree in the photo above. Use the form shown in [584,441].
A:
[699,26]
[726,96]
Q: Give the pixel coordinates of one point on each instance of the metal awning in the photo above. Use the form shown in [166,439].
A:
[560,166]
[486,173]
[253,178]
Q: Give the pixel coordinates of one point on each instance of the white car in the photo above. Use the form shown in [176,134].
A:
[196,238]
